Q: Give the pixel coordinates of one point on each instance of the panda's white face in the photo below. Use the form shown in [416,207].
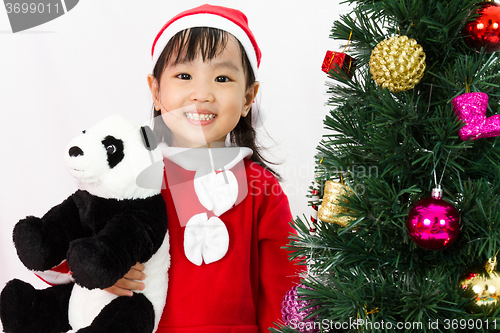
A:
[107,159]
[85,160]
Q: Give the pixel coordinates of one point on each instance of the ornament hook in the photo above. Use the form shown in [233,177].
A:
[437,192]
[491,265]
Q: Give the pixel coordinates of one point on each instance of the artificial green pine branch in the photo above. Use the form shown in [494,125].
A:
[391,149]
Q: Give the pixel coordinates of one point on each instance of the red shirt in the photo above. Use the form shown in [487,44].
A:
[243,291]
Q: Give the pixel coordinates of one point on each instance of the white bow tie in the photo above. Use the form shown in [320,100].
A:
[217,192]
[205,239]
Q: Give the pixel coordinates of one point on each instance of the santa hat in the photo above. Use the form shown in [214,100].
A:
[223,18]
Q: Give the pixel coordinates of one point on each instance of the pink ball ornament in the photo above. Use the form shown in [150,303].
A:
[294,312]
[433,223]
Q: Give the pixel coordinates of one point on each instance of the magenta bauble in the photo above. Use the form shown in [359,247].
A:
[295,309]
[433,223]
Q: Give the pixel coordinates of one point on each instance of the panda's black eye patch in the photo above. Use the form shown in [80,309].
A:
[114,150]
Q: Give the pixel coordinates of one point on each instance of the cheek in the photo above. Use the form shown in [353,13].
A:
[237,109]
[168,118]
[164,96]
[232,120]
[173,113]
[168,92]
[170,100]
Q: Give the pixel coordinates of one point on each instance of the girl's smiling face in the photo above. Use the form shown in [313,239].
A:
[202,101]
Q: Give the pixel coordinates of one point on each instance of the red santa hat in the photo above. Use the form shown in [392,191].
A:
[227,19]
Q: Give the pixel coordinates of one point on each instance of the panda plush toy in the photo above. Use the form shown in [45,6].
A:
[115,219]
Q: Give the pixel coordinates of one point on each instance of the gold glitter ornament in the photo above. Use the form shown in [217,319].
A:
[329,207]
[484,282]
[397,63]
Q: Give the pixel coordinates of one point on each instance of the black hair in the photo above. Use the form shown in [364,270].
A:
[186,45]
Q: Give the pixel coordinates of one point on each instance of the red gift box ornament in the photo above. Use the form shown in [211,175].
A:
[342,60]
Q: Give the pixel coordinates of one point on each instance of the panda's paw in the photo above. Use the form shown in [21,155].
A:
[94,264]
[24,309]
[17,302]
[34,245]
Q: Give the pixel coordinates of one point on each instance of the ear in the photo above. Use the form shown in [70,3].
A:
[154,88]
[250,97]
[149,138]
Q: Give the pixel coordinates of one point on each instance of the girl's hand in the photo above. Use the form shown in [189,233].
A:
[125,285]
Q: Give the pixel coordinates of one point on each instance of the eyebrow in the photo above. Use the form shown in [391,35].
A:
[222,64]
[226,64]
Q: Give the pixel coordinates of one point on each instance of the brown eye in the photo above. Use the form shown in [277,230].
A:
[222,78]
[184,76]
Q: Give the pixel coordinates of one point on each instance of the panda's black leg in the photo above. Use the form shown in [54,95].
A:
[24,309]
[124,315]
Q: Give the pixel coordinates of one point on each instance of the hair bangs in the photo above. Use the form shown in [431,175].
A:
[191,43]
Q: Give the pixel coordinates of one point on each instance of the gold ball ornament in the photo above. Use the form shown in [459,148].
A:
[397,63]
[333,194]
[484,283]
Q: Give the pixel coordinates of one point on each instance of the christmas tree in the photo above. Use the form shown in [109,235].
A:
[414,102]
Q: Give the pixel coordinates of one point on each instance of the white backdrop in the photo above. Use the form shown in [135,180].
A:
[61,77]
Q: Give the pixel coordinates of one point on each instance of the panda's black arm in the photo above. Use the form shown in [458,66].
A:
[130,237]
[42,243]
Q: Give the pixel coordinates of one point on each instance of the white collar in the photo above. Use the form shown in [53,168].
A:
[193,159]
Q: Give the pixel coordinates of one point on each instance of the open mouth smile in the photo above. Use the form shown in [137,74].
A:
[200,118]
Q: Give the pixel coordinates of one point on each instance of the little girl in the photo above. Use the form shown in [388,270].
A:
[228,216]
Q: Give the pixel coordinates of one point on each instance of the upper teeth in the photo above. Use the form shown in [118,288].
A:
[197,116]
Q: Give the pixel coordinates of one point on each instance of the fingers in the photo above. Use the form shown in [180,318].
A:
[119,291]
[138,266]
[136,273]
[124,287]
[129,282]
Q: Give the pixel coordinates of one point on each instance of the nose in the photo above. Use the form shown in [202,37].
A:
[75,151]
[201,92]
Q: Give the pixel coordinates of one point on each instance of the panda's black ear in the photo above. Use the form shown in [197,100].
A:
[149,138]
